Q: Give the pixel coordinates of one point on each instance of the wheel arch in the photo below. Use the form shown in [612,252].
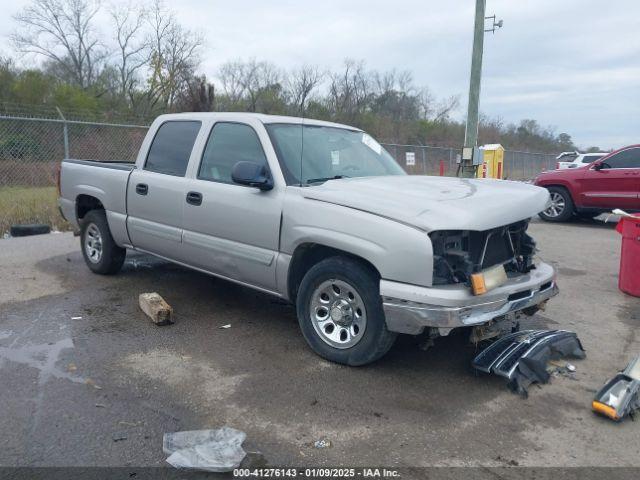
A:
[564,186]
[308,254]
[85,203]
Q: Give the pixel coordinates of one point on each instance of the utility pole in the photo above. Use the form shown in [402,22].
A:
[467,169]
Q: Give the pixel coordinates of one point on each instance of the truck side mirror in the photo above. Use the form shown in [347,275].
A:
[252,174]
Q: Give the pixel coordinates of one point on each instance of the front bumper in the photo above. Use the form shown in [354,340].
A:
[410,308]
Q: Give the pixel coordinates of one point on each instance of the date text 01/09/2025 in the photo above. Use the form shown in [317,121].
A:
[315,473]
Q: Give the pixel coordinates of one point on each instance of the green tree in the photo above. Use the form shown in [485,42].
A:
[32,87]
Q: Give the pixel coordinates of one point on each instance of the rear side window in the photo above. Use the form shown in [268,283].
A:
[228,144]
[590,158]
[626,159]
[171,147]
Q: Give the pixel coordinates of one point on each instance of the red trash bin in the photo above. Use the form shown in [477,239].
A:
[629,275]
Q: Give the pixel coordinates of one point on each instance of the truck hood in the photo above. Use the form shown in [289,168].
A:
[436,203]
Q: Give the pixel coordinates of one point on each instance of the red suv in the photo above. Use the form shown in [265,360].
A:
[612,181]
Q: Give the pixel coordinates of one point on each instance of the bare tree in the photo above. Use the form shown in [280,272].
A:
[445,107]
[232,83]
[301,83]
[132,53]
[350,90]
[63,32]
[257,79]
[173,53]
[251,85]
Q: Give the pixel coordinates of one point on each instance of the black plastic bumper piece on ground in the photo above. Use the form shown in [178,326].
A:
[522,357]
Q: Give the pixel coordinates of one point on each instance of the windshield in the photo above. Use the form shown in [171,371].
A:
[311,154]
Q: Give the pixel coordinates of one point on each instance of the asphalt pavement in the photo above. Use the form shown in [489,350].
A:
[87,380]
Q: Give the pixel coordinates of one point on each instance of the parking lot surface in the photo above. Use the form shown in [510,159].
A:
[87,379]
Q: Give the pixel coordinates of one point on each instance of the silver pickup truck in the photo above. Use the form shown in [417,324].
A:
[321,215]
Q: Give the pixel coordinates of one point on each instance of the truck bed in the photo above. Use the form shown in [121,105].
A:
[105,181]
[115,164]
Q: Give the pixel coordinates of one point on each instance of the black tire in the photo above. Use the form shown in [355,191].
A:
[111,256]
[376,339]
[562,208]
[31,229]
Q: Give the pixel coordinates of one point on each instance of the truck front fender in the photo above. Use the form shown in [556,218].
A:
[397,251]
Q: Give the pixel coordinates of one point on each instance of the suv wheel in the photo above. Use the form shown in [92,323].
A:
[340,312]
[561,207]
[101,254]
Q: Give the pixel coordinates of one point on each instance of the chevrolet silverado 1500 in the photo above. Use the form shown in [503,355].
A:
[321,215]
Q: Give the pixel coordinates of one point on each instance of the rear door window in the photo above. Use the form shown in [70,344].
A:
[171,147]
[590,158]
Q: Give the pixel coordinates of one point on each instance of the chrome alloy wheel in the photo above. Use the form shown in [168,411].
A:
[557,206]
[93,243]
[338,314]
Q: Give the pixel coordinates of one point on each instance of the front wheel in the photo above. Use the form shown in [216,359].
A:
[561,207]
[101,254]
[340,312]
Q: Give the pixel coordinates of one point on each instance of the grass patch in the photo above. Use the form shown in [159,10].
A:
[30,205]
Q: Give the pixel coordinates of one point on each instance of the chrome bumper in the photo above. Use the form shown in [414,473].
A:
[409,308]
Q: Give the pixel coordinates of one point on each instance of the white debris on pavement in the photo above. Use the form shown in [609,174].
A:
[218,450]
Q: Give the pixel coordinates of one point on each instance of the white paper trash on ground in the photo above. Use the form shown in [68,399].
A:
[217,450]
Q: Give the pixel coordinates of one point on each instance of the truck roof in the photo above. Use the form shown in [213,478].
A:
[264,118]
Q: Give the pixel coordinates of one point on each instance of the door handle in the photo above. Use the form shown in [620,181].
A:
[142,189]
[194,198]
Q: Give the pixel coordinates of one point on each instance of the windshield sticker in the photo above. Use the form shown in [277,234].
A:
[335,157]
[371,143]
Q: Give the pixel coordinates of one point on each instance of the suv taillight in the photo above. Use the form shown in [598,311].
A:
[557,165]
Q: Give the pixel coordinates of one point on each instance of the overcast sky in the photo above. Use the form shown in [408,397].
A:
[571,64]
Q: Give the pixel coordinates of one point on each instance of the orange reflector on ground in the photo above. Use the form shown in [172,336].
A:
[605,410]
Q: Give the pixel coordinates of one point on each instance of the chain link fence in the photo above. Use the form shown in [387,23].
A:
[426,160]
[30,153]
[31,149]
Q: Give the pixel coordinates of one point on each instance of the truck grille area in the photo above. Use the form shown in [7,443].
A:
[460,253]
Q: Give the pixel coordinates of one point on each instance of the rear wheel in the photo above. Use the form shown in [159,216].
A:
[101,254]
[340,312]
[561,207]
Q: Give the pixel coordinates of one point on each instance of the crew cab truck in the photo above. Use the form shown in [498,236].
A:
[610,182]
[321,215]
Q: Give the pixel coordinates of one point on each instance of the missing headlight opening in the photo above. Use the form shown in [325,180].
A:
[457,254]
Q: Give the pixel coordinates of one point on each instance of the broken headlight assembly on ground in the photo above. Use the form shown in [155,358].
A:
[621,395]
[522,357]
[482,260]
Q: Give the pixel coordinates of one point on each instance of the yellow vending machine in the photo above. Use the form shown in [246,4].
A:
[493,161]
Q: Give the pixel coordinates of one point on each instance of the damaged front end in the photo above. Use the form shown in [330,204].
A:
[481,280]
[483,261]
[522,357]
[459,254]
